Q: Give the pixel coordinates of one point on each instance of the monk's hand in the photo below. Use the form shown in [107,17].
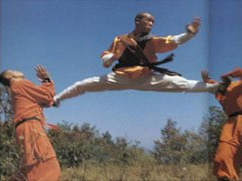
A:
[194,26]
[128,41]
[205,76]
[42,73]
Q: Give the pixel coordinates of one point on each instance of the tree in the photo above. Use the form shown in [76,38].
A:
[175,146]
[195,151]
[211,127]
[8,149]
[169,148]
[6,112]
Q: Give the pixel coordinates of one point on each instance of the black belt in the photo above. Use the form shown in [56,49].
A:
[235,114]
[26,119]
[143,61]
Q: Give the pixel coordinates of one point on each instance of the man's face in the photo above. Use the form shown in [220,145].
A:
[145,24]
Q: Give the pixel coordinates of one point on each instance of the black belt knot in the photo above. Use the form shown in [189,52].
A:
[26,119]
[235,114]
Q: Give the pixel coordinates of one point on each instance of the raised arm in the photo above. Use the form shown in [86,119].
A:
[236,73]
[44,93]
[191,31]
[168,43]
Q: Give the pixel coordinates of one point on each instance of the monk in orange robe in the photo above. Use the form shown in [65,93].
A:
[228,157]
[39,162]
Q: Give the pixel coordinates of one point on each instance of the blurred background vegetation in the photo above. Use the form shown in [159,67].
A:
[86,154]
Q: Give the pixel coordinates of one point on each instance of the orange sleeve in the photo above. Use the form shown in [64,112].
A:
[42,94]
[112,48]
[237,72]
[116,48]
[163,44]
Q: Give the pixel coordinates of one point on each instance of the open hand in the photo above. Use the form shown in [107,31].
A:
[42,73]
[205,76]
[194,26]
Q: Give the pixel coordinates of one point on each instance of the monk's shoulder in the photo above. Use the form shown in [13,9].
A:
[21,84]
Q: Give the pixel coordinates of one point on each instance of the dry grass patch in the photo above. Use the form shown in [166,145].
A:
[138,172]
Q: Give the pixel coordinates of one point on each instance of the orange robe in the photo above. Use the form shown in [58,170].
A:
[229,152]
[39,161]
[154,45]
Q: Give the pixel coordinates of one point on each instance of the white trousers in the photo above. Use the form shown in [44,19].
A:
[152,82]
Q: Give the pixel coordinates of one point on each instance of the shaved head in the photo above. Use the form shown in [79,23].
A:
[141,15]
[7,75]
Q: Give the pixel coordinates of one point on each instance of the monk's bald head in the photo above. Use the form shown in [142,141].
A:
[7,75]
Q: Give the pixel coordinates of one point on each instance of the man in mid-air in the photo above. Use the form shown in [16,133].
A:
[136,68]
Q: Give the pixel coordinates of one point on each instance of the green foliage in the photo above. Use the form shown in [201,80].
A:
[76,145]
[211,128]
[175,146]
[6,112]
[195,148]
[170,147]
[8,148]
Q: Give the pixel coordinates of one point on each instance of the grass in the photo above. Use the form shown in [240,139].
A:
[138,172]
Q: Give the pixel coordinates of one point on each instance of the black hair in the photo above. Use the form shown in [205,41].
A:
[3,79]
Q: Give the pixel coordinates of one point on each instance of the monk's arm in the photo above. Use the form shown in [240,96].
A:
[236,73]
[42,94]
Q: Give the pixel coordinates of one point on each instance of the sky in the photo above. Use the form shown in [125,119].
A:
[68,36]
